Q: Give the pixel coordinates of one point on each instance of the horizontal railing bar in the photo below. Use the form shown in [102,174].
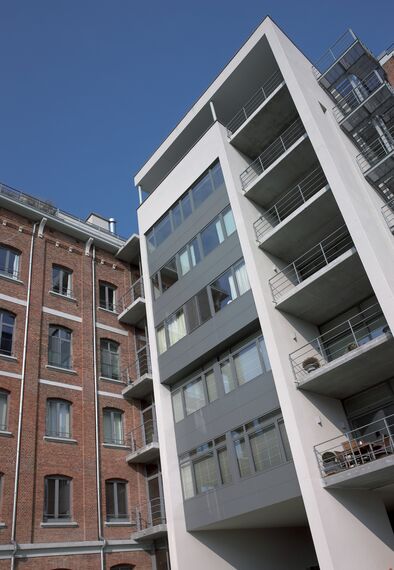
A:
[347,434]
[334,52]
[376,150]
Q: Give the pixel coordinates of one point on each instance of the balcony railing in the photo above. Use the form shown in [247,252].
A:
[316,258]
[138,369]
[254,102]
[354,95]
[334,53]
[272,153]
[142,435]
[136,291]
[8,272]
[357,447]
[339,341]
[376,151]
[388,213]
[150,514]
[289,203]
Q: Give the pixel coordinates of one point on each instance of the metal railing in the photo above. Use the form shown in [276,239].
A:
[334,53]
[57,433]
[64,291]
[290,202]
[353,96]
[136,291]
[272,152]
[150,514]
[8,272]
[311,262]
[142,435]
[357,447]
[340,340]
[376,151]
[388,213]
[140,367]
[46,207]
[254,102]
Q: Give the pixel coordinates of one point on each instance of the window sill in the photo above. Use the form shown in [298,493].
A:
[60,369]
[9,357]
[66,297]
[116,445]
[106,379]
[13,279]
[55,439]
[5,433]
[108,311]
[59,524]
[119,523]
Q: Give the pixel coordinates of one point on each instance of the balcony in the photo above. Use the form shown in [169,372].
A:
[359,100]
[143,443]
[346,56]
[262,117]
[279,165]
[388,214]
[377,159]
[131,307]
[350,357]
[150,520]
[323,281]
[359,459]
[138,377]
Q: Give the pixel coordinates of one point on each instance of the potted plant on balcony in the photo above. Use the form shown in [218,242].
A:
[310,364]
[351,346]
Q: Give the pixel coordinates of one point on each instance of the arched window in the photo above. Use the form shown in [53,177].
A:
[61,280]
[9,261]
[57,498]
[7,329]
[122,567]
[116,500]
[107,296]
[109,352]
[4,410]
[58,418]
[113,426]
[59,346]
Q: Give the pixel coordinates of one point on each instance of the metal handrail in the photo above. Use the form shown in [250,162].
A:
[388,213]
[272,152]
[290,202]
[345,337]
[136,291]
[47,207]
[353,97]
[319,256]
[254,102]
[142,435]
[356,447]
[141,366]
[376,151]
[150,514]
[335,52]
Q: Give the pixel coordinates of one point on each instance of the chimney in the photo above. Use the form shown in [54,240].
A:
[112,225]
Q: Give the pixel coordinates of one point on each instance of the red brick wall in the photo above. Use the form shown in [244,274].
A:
[389,69]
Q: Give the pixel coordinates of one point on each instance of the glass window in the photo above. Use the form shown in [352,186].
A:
[176,327]
[194,396]
[224,467]
[184,261]
[265,449]
[107,296]
[163,229]
[285,440]
[7,326]
[223,290]
[109,353]
[187,481]
[212,236]
[217,175]
[151,240]
[161,339]
[192,314]
[58,418]
[205,474]
[168,274]
[3,410]
[59,347]
[156,286]
[204,308]
[195,255]
[116,500]
[202,190]
[242,457]
[247,364]
[176,215]
[212,390]
[177,405]
[242,278]
[186,206]
[113,426]
[264,354]
[9,262]
[57,498]
[229,223]
[61,280]
[227,376]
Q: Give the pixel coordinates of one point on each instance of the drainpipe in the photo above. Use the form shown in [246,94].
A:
[96,414]
[19,436]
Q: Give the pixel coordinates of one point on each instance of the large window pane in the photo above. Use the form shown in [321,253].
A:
[247,364]
[194,252]
[9,262]
[204,308]
[58,418]
[285,440]
[109,352]
[163,229]
[224,466]
[217,175]
[151,241]
[64,498]
[194,396]
[156,286]
[59,347]
[176,215]
[205,473]
[192,314]
[169,274]
[229,382]
[212,236]
[176,327]
[61,280]
[187,481]
[7,322]
[229,223]
[161,339]
[242,457]
[186,206]
[184,261]
[212,390]
[177,406]
[264,354]
[202,190]
[3,410]
[242,278]
[223,291]
[265,449]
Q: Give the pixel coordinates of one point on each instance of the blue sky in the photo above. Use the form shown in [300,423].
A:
[89,88]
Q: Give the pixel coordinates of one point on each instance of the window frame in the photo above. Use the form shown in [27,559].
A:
[58,402]
[63,271]
[5,394]
[61,343]
[56,518]
[114,517]
[107,305]
[15,273]
[114,374]
[112,440]
[4,312]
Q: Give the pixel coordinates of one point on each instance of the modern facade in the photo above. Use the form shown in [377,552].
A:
[267,256]
[80,484]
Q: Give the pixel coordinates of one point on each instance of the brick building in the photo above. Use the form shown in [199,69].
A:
[75,396]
